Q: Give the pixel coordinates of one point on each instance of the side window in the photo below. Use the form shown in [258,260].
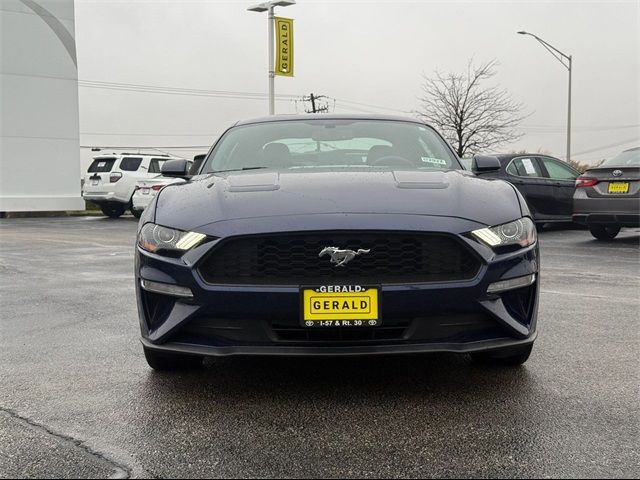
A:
[557,170]
[155,165]
[524,167]
[130,164]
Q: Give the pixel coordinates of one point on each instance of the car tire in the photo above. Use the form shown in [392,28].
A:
[508,357]
[111,211]
[136,213]
[604,232]
[165,362]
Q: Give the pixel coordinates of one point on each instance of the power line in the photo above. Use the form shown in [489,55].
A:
[584,127]
[604,147]
[379,107]
[132,87]
[232,94]
[123,134]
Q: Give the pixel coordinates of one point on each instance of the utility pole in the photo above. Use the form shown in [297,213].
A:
[316,105]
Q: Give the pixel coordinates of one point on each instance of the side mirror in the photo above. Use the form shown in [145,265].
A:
[485,163]
[175,169]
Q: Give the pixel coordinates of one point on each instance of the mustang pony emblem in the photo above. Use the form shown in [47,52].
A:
[341,257]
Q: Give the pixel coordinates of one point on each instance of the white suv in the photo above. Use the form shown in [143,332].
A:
[111,179]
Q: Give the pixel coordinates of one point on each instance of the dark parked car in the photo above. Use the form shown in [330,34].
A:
[197,163]
[607,197]
[546,183]
[336,235]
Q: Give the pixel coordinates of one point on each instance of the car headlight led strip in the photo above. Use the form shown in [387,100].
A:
[521,232]
[156,238]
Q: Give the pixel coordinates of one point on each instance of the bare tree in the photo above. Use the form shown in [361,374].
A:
[473,117]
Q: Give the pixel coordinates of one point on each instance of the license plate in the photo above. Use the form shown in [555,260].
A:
[94,183]
[144,191]
[619,187]
[341,306]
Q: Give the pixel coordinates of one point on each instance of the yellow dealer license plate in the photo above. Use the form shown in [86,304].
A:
[341,306]
[619,187]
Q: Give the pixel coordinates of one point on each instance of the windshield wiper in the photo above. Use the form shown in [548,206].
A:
[238,169]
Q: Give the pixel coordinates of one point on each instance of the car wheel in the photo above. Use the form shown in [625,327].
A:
[136,213]
[112,212]
[604,232]
[508,357]
[164,362]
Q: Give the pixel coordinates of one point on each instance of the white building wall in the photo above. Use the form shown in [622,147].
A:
[39,132]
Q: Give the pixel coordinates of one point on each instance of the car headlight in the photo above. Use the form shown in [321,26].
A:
[521,232]
[158,239]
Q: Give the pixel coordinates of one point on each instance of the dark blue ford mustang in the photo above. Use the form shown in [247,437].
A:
[335,235]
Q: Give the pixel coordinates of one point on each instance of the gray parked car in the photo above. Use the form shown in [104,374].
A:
[607,197]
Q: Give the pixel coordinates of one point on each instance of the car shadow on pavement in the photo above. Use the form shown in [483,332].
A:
[355,411]
[631,239]
[342,377]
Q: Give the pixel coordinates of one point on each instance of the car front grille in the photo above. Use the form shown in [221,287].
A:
[293,259]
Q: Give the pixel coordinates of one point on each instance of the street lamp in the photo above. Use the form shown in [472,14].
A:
[566,61]
[269,7]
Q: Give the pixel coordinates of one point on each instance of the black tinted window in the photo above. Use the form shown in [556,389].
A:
[101,165]
[130,164]
[155,165]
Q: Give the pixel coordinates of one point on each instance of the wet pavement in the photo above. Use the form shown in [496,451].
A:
[78,400]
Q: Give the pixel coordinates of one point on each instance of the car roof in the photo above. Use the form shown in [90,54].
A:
[505,157]
[329,116]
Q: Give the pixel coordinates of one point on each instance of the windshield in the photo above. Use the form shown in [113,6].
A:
[628,158]
[296,145]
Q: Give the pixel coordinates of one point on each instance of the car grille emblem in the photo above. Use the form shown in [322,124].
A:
[617,173]
[341,257]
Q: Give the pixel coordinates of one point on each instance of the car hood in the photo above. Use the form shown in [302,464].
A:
[208,199]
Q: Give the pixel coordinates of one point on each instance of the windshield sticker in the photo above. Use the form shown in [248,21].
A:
[434,161]
[528,166]
[101,164]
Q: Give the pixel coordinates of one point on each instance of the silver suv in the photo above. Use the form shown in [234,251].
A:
[607,197]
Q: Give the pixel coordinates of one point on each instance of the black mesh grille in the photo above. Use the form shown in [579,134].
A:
[292,259]
[293,334]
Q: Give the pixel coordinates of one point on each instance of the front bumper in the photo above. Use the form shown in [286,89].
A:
[225,320]
[336,351]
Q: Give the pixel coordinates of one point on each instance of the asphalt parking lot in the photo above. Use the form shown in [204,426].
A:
[78,400]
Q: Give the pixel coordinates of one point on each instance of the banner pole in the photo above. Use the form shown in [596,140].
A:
[272,106]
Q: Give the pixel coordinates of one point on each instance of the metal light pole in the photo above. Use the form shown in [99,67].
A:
[269,7]
[566,61]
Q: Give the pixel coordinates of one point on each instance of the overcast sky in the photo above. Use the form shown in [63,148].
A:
[370,52]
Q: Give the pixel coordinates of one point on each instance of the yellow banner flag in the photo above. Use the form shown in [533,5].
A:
[284,46]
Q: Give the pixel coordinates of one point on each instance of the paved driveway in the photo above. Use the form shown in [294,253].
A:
[77,399]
